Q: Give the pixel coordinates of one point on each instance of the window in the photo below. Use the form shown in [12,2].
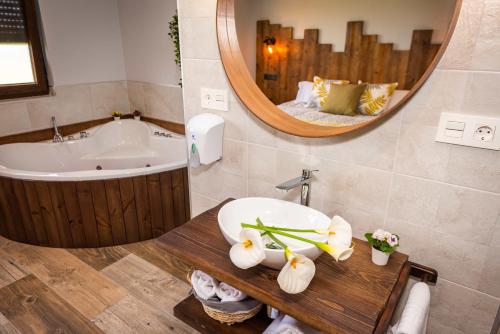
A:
[22,65]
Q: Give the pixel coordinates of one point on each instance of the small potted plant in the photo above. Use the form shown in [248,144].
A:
[116,115]
[383,245]
[137,115]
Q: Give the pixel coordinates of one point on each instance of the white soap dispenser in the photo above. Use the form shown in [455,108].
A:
[205,133]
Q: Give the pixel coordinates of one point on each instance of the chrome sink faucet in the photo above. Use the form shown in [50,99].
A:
[304,182]
[58,138]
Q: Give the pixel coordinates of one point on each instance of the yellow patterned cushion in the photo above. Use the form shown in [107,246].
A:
[321,88]
[376,98]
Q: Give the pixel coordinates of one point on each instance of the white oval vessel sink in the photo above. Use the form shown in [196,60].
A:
[274,212]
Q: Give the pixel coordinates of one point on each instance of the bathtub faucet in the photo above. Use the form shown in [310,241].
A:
[58,138]
[304,182]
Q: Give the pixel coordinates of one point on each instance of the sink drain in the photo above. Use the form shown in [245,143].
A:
[98,167]
[148,165]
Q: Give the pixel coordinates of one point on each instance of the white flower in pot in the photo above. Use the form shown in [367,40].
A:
[383,245]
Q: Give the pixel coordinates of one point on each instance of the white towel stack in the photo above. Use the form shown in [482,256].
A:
[288,325]
[204,285]
[416,312]
[207,287]
[227,293]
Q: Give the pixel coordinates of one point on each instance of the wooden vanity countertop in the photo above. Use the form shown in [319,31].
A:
[354,296]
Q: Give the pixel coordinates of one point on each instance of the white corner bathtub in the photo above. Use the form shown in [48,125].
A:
[117,149]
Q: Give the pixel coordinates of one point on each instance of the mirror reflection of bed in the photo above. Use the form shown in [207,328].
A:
[339,63]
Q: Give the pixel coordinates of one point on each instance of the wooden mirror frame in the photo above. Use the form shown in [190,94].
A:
[254,99]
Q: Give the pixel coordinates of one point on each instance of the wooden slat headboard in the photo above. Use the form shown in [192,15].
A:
[364,58]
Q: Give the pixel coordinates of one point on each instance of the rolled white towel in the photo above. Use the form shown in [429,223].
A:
[288,325]
[204,285]
[227,293]
[414,317]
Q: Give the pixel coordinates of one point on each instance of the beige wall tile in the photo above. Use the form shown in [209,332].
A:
[199,38]
[490,276]
[197,8]
[108,97]
[354,186]
[374,147]
[14,118]
[163,102]
[413,200]
[136,96]
[468,214]
[459,53]
[201,203]
[475,168]
[419,155]
[70,104]
[488,41]
[481,94]
[461,309]
[202,73]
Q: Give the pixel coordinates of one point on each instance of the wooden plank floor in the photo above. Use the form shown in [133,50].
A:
[120,289]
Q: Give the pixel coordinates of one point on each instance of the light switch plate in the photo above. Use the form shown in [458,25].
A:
[469,130]
[214,99]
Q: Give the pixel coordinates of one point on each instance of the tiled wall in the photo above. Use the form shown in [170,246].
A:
[79,103]
[156,101]
[70,104]
[443,200]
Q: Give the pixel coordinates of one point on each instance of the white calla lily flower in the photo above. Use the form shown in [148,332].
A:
[341,240]
[249,251]
[297,273]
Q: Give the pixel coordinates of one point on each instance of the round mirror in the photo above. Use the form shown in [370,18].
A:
[320,68]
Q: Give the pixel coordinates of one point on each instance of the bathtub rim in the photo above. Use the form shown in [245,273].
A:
[91,174]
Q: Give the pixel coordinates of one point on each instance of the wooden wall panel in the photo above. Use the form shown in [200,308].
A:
[93,213]
[364,58]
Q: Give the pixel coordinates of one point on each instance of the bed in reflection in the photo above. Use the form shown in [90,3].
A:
[313,114]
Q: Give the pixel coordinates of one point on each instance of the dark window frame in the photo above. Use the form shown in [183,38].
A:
[41,85]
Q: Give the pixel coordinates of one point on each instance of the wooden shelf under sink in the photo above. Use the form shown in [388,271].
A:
[191,312]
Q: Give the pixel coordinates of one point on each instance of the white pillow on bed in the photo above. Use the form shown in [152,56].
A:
[305,92]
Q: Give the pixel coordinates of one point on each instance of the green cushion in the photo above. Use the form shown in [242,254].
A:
[343,99]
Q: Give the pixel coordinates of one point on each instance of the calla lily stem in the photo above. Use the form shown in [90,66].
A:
[275,231]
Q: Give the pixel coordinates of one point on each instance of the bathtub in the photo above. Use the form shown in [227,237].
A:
[125,182]
[117,149]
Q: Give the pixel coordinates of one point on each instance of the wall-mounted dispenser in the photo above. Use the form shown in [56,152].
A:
[204,137]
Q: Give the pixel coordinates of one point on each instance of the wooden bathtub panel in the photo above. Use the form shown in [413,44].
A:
[11,210]
[93,213]
[73,213]
[88,216]
[155,201]
[101,213]
[167,201]
[48,214]
[143,209]
[115,211]
[26,218]
[60,214]
[129,210]
[36,214]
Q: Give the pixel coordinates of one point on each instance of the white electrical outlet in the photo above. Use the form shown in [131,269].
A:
[214,99]
[469,130]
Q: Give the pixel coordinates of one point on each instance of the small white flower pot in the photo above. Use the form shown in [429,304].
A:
[116,118]
[380,258]
[137,118]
